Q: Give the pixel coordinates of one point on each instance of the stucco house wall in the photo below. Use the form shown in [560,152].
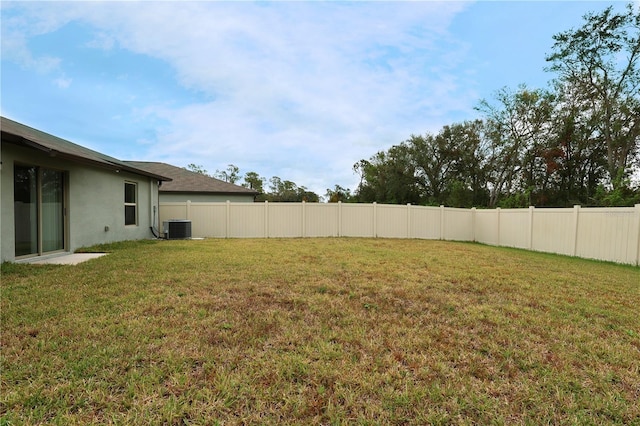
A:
[94,199]
[57,196]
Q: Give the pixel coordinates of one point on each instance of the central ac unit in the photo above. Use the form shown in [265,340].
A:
[177,229]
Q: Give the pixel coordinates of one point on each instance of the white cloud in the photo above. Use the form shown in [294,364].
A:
[62,82]
[102,41]
[18,27]
[304,87]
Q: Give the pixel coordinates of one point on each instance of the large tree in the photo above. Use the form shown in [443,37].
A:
[389,177]
[600,63]
[231,174]
[288,191]
[338,194]
[254,181]
[449,166]
[197,169]
[575,164]
[516,127]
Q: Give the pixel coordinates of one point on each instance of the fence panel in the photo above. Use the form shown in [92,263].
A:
[208,219]
[425,222]
[457,224]
[322,220]
[358,220]
[247,220]
[515,228]
[600,233]
[392,221]
[169,211]
[285,220]
[607,234]
[554,231]
[486,227]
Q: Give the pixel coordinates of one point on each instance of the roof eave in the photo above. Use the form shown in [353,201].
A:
[185,191]
[22,141]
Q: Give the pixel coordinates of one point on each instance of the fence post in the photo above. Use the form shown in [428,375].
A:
[339,218]
[531,210]
[266,219]
[637,207]
[408,220]
[576,215]
[498,213]
[441,222]
[227,219]
[473,224]
[304,219]
[375,220]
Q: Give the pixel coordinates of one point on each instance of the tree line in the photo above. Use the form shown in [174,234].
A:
[575,142]
[275,189]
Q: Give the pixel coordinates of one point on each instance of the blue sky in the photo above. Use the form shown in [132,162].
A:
[298,90]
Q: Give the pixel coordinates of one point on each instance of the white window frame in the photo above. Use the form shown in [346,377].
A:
[131,204]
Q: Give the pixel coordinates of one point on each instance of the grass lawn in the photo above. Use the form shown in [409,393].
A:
[320,331]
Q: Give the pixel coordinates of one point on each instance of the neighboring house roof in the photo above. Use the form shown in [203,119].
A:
[183,180]
[19,134]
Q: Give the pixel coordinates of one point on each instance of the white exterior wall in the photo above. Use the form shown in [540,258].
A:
[94,200]
[7,242]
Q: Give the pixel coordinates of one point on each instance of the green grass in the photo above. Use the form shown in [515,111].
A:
[320,331]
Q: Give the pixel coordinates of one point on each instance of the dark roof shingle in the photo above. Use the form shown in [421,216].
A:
[183,180]
[19,134]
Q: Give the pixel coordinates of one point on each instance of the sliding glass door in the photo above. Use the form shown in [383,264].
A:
[25,195]
[52,211]
[38,210]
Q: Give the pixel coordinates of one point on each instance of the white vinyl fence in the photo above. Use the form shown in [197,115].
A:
[611,234]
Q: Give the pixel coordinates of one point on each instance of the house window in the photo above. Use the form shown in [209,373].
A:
[130,203]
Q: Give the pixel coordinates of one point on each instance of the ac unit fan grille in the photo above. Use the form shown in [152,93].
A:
[177,229]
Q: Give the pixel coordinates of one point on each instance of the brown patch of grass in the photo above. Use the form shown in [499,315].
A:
[320,331]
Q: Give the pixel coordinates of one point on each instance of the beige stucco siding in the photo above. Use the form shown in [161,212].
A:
[94,201]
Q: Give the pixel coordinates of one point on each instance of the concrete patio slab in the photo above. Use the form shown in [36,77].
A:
[64,259]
